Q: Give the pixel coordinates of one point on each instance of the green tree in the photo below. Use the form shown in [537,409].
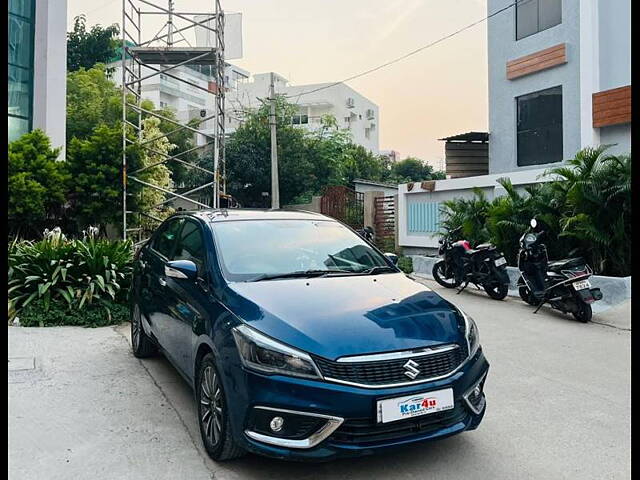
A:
[36,183]
[155,172]
[413,169]
[248,158]
[85,47]
[92,99]
[95,165]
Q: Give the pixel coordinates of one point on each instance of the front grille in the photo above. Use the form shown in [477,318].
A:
[366,430]
[389,372]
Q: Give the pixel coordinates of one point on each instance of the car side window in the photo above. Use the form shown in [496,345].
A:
[166,239]
[191,244]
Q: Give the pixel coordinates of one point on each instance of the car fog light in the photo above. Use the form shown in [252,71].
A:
[477,391]
[276,424]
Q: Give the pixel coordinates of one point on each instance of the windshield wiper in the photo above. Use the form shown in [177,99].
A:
[300,274]
[377,269]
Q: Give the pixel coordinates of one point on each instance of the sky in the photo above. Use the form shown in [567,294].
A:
[441,91]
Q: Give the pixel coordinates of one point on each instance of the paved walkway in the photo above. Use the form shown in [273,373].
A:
[558,407]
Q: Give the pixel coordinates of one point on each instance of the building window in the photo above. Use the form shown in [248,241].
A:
[539,127]
[533,16]
[20,53]
[367,133]
[300,119]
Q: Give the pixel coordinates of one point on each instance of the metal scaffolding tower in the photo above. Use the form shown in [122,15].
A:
[146,56]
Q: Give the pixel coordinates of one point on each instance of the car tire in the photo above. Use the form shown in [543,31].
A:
[213,416]
[141,345]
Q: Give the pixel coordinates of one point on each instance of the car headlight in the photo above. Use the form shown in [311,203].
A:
[261,353]
[471,334]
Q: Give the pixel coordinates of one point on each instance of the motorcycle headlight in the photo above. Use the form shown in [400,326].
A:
[261,353]
[471,334]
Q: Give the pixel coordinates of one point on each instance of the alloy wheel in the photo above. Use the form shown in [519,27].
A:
[135,327]
[211,406]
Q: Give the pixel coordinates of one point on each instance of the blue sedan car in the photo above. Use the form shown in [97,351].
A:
[300,339]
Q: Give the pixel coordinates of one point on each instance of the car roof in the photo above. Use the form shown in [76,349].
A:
[214,215]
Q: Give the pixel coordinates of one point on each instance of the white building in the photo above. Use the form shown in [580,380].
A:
[37,84]
[392,155]
[185,100]
[352,110]
[559,81]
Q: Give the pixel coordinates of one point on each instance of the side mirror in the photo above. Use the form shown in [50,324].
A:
[393,257]
[533,223]
[184,269]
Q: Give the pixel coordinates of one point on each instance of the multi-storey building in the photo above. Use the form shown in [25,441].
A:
[351,110]
[185,100]
[559,80]
[37,52]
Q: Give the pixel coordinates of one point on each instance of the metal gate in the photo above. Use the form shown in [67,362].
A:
[384,223]
[344,204]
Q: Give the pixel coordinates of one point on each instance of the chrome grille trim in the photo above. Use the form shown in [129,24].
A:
[376,357]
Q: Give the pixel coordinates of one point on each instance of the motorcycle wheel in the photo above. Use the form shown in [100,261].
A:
[497,291]
[439,274]
[584,312]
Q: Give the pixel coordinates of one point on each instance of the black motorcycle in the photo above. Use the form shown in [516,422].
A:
[483,266]
[564,284]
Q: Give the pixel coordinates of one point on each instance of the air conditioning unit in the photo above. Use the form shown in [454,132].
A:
[370,114]
[351,102]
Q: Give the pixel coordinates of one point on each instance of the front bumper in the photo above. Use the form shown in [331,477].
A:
[348,414]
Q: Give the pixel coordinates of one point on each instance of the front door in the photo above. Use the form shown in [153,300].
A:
[187,299]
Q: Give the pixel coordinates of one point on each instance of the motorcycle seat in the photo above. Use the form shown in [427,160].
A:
[484,246]
[566,264]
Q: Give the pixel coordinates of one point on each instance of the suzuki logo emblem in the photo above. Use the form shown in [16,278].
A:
[411,369]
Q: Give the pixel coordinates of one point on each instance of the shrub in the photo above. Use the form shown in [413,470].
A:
[405,264]
[57,313]
[77,273]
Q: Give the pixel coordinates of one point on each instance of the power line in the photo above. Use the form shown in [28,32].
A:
[417,50]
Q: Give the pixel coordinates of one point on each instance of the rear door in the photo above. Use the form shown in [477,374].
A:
[156,302]
[188,299]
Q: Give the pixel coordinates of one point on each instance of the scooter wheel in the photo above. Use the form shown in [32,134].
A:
[525,294]
[584,312]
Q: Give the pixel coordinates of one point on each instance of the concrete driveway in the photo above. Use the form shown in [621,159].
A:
[81,406]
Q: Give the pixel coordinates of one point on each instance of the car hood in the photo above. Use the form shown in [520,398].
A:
[337,316]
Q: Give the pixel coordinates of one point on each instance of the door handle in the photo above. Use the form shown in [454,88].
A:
[162,282]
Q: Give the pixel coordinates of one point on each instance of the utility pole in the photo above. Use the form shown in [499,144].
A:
[275,186]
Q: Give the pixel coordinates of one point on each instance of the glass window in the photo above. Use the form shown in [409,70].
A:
[19,91]
[167,237]
[17,127]
[20,41]
[20,73]
[248,249]
[533,16]
[539,127]
[21,7]
[191,245]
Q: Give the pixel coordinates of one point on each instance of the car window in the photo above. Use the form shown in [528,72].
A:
[166,238]
[247,249]
[191,244]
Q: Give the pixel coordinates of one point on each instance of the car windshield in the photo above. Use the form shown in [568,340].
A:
[256,249]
